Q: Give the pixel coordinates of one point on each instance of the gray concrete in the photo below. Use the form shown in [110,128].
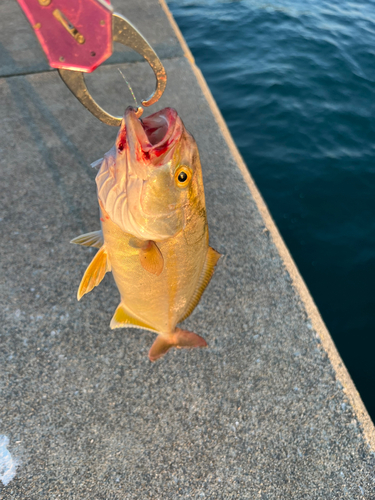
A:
[259,414]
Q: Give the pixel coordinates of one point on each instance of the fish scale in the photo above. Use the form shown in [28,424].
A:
[159,301]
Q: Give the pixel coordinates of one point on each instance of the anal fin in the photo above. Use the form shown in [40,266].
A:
[94,239]
[212,258]
[123,319]
[94,273]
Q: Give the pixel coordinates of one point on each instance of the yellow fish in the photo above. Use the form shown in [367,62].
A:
[154,235]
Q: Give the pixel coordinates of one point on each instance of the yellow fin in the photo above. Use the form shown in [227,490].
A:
[122,319]
[151,258]
[94,239]
[94,273]
[208,269]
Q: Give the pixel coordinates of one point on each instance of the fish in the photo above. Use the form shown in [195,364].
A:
[154,233]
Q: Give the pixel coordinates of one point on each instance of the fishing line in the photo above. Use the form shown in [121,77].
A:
[129,87]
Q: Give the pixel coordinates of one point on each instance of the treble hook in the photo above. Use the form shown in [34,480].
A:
[125,33]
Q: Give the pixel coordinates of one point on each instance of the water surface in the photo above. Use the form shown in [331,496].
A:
[295,82]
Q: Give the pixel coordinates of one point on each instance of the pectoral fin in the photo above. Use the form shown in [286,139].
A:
[208,269]
[180,338]
[94,239]
[94,273]
[123,319]
[151,258]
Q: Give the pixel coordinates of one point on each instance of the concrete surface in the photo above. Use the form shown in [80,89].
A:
[259,414]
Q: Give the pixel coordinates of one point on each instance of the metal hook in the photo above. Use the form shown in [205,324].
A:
[123,32]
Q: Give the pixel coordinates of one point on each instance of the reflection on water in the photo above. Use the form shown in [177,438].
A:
[295,82]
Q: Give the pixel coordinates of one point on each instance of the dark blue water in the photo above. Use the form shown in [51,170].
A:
[295,81]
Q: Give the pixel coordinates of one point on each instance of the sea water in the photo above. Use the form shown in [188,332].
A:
[295,82]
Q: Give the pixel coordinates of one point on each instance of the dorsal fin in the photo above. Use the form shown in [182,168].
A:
[208,269]
[94,273]
[123,319]
[94,239]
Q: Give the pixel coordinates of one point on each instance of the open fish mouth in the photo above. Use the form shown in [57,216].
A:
[136,182]
[153,136]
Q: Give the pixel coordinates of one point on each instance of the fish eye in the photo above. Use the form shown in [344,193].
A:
[183,176]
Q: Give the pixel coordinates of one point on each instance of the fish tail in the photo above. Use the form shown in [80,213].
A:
[179,338]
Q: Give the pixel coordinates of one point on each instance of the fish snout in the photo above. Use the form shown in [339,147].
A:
[153,137]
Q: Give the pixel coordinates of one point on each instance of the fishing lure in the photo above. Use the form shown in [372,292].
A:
[154,233]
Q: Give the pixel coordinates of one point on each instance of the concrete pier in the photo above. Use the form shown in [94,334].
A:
[268,411]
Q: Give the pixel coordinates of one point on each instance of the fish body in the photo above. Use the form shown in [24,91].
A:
[154,232]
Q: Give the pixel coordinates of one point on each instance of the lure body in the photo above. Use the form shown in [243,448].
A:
[154,235]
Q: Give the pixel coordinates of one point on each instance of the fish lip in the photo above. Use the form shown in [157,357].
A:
[156,134]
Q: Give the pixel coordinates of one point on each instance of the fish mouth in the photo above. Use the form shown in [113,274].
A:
[153,136]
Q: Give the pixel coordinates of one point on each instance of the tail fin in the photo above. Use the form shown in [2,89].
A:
[179,338]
